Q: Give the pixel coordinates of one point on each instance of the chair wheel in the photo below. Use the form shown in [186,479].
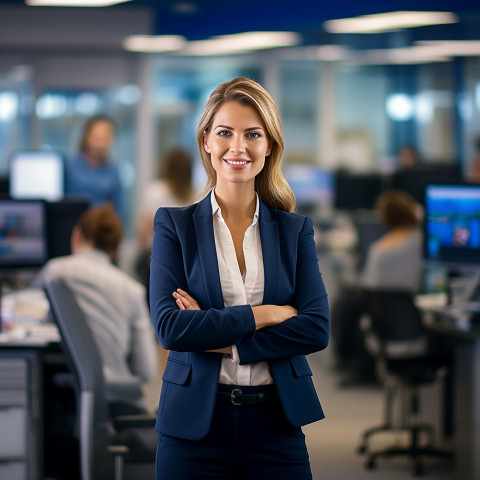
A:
[371,464]
[362,449]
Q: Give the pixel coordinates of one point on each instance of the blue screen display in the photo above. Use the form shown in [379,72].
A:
[452,223]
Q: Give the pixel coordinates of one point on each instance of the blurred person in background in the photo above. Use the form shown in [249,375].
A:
[394,261]
[117,314]
[91,173]
[173,188]
[407,158]
[113,302]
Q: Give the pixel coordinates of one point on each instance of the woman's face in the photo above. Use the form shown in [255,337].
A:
[99,140]
[237,143]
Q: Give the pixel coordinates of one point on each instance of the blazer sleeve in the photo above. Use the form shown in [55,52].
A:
[305,333]
[187,330]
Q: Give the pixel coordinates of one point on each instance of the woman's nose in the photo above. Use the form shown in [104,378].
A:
[237,145]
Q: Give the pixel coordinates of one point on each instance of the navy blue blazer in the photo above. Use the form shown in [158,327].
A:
[184,256]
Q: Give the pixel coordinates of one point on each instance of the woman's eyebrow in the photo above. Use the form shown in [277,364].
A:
[231,128]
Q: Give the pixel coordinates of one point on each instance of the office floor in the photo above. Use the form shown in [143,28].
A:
[332,442]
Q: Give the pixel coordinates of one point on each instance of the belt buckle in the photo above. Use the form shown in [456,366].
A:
[232,396]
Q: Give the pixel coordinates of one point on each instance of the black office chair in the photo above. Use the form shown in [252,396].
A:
[397,339]
[101,438]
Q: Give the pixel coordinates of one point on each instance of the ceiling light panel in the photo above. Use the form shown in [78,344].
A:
[154,44]
[385,22]
[74,3]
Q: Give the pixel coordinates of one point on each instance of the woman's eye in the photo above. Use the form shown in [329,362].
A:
[253,135]
[223,133]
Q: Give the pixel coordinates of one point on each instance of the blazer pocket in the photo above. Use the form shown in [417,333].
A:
[177,372]
[300,366]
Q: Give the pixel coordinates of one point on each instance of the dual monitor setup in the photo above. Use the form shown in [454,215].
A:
[36,220]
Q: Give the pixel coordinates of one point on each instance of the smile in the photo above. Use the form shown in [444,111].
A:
[236,163]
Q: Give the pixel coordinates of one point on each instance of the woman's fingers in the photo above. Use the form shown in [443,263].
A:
[187,301]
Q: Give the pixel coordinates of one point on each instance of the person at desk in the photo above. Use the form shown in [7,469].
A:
[114,303]
[394,261]
[90,174]
[237,297]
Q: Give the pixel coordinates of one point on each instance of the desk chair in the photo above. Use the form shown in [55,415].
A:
[100,437]
[397,339]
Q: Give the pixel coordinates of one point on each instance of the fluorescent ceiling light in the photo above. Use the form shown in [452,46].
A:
[74,3]
[154,44]
[403,56]
[453,48]
[242,42]
[385,22]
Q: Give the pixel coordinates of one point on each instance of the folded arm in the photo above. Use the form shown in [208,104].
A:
[304,333]
[187,330]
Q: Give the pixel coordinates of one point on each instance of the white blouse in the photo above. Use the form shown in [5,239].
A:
[238,290]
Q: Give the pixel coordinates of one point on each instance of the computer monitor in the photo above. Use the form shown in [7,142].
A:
[61,218]
[414,180]
[357,191]
[23,240]
[452,225]
[36,175]
[311,184]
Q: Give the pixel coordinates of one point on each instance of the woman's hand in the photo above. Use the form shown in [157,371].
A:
[187,302]
[270,315]
[184,300]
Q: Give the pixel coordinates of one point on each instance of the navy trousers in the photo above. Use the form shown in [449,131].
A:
[246,442]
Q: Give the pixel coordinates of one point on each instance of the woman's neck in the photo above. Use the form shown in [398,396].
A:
[237,201]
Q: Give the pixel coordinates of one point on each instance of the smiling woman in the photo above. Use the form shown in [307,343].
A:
[237,297]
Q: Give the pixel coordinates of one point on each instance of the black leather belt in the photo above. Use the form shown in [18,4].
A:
[236,396]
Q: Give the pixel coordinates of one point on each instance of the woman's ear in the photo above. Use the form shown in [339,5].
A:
[268,151]
[205,144]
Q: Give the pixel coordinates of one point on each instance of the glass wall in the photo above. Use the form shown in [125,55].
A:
[16,105]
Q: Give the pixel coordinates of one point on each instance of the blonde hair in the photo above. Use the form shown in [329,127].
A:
[270,183]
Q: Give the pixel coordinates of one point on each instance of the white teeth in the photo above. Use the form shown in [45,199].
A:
[235,162]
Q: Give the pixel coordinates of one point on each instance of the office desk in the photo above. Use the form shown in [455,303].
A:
[466,391]
[21,432]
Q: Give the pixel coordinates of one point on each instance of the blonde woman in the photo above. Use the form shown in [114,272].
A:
[237,297]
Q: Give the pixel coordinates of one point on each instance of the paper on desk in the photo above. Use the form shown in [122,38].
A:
[28,306]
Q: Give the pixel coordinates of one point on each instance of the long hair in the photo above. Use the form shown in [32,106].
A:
[177,172]
[270,184]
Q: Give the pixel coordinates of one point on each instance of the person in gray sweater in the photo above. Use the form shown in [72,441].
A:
[394,262]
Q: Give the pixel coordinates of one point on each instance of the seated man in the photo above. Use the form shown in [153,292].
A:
[114,304]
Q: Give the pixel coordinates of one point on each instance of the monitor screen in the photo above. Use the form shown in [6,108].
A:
[452,223]
[22,234]
[311,185]
[61,218]
[357,191]
[36,175]
[414,180]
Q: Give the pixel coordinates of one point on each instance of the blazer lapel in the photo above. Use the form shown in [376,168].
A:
[271,254]
[203,223]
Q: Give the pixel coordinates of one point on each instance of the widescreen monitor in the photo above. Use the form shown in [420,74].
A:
[23,240]
[452,224]
[357,191]
[36,175]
